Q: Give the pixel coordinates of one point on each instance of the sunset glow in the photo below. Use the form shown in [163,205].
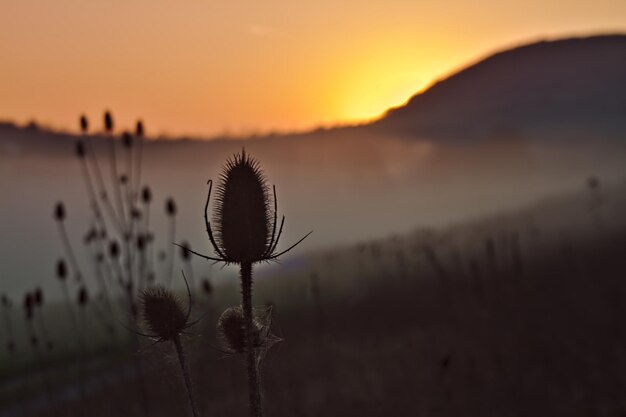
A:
[206,68]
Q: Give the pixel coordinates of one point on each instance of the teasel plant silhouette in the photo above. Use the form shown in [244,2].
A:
[246,232]
[165,318]
[120,241]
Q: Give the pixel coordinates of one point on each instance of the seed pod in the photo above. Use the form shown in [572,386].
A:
[170,207]
[146,195]
[141,243]
[84,125]
[61,270]
[108,121]
[230,331]
[185,255]
[114,249]
[83,297]
[243,211]
[162,313]
[59,212]
[139,128]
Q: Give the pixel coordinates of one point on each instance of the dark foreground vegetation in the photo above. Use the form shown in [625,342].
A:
[515,315]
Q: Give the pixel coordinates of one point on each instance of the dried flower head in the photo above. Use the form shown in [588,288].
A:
[108,121]
[146,195]
[114,249]
[185,255]
[139,128]
[83,297]
[59,211]
[61,270]
[231,331]
[84,124]
[162,313]
[245,219]
[170,207]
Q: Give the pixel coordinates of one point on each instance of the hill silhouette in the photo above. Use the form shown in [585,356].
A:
[576,83]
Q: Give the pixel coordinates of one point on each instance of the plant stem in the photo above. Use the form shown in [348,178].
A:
[183,366]
[254,387]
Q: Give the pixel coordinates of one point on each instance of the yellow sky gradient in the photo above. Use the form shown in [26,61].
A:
[214,66]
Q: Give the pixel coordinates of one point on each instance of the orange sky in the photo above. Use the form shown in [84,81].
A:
[205,67]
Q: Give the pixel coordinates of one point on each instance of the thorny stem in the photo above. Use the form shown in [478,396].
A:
[254,385]
[183,366]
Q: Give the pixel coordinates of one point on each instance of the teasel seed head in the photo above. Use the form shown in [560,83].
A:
[84,124]
[139,129]
[114,249]
[162,313]
[108,122]
[243,216]
[59,211]
[230,330]
[185,255]
[61,270]
[170,207]
[243,211]
[146,195]
[83,297]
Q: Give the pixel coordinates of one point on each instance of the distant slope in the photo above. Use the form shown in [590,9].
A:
[570,83]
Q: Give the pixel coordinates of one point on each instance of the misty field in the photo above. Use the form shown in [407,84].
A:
[518,314]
